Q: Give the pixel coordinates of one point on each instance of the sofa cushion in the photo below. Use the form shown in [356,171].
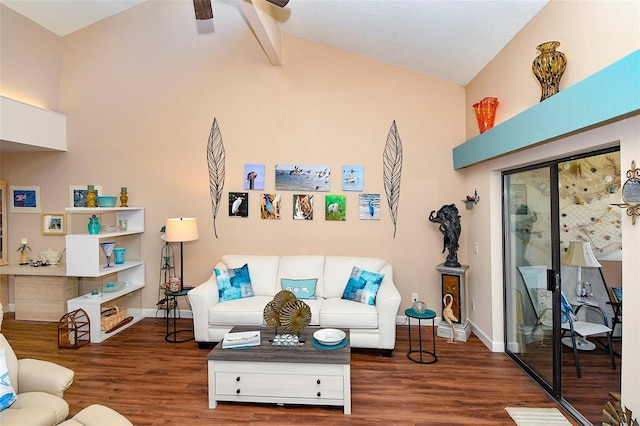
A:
[303,267]
[246,311]
[342,313]
[337,270]
[7,394]
[263,271]
[233,283]
[362,286]
[302,289]
[43,402]
[32,416]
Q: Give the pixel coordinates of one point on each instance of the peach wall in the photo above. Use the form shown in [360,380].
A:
[141,89]
[30,61]
[612,33]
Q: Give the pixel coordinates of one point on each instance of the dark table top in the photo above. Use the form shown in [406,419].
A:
[266,352]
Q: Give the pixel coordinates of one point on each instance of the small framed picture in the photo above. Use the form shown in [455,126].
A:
[369,206]
[54,224]
[78,194]
[352,178]
[254,176]
[25,199]
[238,204]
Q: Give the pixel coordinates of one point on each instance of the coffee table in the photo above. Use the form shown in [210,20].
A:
[280,374]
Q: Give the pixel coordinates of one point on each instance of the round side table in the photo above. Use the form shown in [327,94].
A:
[430,355]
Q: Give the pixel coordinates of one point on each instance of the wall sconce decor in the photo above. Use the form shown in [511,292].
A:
[631,193]
[470,200]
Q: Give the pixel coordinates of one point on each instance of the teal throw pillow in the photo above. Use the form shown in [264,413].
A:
[362,286]
[7,394]
[303,289]
[234,283]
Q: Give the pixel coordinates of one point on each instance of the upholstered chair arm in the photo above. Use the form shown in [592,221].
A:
[387,303]
[36,375]
[201,299]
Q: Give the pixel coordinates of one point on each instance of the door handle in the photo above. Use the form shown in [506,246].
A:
[553,280]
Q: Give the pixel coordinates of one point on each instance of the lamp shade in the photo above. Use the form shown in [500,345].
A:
[180,229]
[579,254]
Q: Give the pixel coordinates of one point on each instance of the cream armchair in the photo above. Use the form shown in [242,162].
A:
[39,386]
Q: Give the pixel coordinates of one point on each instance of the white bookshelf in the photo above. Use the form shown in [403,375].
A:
[85,258]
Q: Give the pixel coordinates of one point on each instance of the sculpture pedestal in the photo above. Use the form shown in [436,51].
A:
[452,280]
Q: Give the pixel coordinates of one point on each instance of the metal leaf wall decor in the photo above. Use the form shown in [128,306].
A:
[215,159]
[392,172]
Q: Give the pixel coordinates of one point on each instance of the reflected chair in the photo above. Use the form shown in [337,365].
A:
[580,330]
[615,301]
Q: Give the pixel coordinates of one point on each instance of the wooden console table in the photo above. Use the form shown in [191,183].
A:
[41,293]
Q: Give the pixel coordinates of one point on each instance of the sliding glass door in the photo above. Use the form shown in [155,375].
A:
[547,208]
[531,265]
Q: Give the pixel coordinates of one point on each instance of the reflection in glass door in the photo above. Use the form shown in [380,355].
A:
[529,255]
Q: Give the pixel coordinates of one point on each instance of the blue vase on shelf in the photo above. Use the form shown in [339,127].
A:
[94,225]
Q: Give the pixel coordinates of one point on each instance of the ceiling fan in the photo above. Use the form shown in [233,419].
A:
[204,10]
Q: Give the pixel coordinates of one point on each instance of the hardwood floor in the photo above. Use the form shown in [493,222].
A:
[153,382]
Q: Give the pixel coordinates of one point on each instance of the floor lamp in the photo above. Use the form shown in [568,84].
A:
[181,230]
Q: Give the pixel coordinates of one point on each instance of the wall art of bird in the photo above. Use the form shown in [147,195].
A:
[448,315]
[235,207]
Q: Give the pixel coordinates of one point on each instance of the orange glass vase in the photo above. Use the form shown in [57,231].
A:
[486,113]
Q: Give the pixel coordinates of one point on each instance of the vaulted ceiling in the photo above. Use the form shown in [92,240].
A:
[447,39]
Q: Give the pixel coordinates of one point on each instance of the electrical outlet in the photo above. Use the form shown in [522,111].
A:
[473,305]
[414,297]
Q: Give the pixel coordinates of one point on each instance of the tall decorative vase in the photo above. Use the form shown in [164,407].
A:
[548,68]
[124,197]
[94,225]
[91,196]
[486,113]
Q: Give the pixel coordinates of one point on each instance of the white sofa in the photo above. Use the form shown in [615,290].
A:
[371,326]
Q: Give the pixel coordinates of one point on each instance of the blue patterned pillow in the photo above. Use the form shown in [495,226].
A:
[303,289]
[234,283]
[7,394]
[362,286]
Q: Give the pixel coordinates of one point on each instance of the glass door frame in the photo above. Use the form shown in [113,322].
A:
[554,387]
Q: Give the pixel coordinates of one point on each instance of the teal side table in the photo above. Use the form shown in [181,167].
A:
[431,356]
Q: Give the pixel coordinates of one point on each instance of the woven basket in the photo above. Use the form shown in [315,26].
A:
[110,317]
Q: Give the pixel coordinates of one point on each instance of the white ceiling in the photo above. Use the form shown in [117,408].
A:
[448,39]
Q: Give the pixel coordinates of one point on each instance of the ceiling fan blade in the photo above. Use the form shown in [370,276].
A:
[281,3]
[203,9]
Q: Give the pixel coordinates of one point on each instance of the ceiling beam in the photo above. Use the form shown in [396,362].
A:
[265,27]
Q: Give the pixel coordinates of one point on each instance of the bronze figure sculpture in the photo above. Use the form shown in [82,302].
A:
[449,221]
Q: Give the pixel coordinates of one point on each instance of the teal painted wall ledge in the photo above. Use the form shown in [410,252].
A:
[611,93]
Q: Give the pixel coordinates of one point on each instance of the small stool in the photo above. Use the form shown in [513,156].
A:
[428,314]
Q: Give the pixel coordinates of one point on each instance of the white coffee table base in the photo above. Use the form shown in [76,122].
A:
[280,383]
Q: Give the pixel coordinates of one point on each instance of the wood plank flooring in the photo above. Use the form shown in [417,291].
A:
[153,382]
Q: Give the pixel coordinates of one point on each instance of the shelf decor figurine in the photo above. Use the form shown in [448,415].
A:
[94,225]
[470,200]
[91,196]
[124,197]
[24,258]
[548,68]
